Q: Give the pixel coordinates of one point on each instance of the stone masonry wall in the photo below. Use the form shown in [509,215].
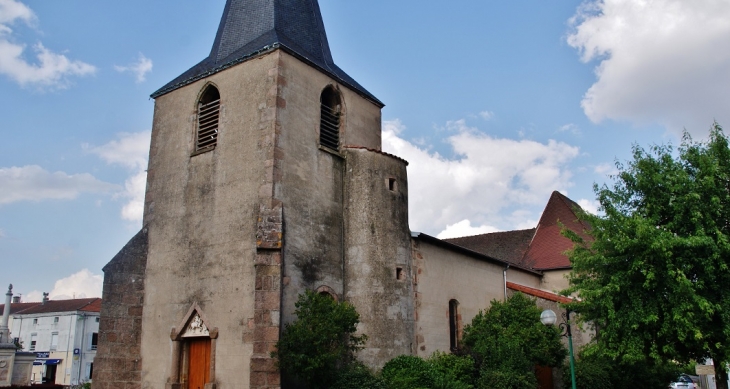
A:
[117,364]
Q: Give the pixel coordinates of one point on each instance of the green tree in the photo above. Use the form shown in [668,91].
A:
[321,342]
[508,340]
[654,276]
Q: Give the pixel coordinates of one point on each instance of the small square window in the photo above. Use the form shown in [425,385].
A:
[392,184]
[97,319]
[55,320]
[35,321]
[399,275]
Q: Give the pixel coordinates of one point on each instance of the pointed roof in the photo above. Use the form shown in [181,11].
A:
[250,28]
[548,246]
[540,248]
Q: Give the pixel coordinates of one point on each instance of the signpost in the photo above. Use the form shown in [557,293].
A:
[704,369]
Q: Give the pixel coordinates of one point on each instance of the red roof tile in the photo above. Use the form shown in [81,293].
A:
[53,306]
[538,293]
[16,307]
[508,246]
[548,246]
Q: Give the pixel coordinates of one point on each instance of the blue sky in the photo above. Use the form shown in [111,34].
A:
[495,105]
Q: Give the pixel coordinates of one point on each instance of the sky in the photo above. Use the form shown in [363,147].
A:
[495,104]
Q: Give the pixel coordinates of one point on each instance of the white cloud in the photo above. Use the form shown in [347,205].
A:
[661,61]
[486,115]
[33,183]
[571,128]
[83,284]
[10,10]
[464,228]
[130,150]
[139,68]
[590,206]
[605,169]
[50,69]
[490,175]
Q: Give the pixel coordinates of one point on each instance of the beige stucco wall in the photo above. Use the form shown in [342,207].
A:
[442,275]
[555,280]
[522,277]
[378,244]
[200,211]
[311,186]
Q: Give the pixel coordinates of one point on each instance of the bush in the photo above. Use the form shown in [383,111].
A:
[408,372]
[358,376]
[507,341]
[320,342]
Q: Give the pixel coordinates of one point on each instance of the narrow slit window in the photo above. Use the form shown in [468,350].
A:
[399,273]
[209,108]
[454,324]
[329,126]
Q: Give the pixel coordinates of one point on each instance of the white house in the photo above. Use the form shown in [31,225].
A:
[62,333]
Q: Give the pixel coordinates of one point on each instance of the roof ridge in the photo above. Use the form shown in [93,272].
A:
[376,151]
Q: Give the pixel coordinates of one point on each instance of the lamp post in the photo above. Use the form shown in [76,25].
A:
[548,318]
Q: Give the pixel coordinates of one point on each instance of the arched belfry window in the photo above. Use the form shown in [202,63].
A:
[209,108]
[454,324]
[331,111]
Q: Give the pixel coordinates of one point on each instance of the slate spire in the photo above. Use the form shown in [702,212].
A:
[249,28]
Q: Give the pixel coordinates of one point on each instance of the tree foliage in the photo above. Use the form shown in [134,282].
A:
[654,277]
[508,340]
[320,342]
[440,371]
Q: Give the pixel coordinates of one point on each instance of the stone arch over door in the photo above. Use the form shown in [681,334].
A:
[193,352]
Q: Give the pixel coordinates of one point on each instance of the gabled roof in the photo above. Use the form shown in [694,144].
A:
[508,246]
[55,306]
[16,307]
[250,28]
[540,248]
[546,251]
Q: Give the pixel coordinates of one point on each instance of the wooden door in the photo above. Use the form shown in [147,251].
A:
[544,377]
[199,363]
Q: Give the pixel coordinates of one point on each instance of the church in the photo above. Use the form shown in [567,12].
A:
[266,178]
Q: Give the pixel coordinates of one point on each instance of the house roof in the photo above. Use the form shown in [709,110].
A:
[509,246]
[466,251]
[55,306]
[543,294]
[250,28]
[540,248]
[548,246]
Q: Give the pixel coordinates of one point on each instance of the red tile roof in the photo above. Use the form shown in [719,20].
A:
[54,306]
[548,246]
[538,293]
[540,248]
[508,246]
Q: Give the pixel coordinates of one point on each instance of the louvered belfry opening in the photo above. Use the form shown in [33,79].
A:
[329,127]
[209,108]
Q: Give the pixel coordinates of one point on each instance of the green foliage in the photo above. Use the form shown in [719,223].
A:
[440,371]
[508,340]
[654,276]
[408,372]
[599,371]
[320,342]
[357,376]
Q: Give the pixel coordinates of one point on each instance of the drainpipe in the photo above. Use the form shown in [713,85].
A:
[504,277]
[81,347]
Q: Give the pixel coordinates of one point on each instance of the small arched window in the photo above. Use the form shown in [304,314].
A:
[209,108]
[329,126]
[454,325]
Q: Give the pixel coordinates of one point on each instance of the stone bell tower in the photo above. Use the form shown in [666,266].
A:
[265,179]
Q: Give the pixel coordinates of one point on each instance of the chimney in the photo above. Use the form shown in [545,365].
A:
[16,299]
[4,330]
[45,298]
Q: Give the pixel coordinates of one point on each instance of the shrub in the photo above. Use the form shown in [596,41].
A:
[320,342]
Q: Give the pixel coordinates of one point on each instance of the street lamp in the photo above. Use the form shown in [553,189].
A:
[548,318]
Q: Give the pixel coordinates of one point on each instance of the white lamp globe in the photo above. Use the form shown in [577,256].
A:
[548,317]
